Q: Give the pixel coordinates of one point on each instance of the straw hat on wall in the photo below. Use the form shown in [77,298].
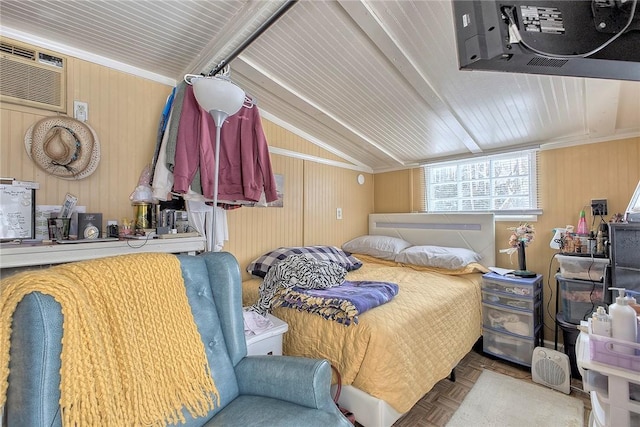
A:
[63,146]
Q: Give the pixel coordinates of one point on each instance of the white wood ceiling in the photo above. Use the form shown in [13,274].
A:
[374,81]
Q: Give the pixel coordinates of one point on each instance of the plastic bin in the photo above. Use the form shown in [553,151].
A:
[595,381]
[524,287]
[511,301]
[579,298]
[502,319]
[582,267]
[509,347]
[610,351]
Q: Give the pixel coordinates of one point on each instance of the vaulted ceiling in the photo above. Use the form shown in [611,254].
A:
[376,82]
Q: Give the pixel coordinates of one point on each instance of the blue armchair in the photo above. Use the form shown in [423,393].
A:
[254,390]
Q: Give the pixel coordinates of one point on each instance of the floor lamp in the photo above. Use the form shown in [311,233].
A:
[221,98]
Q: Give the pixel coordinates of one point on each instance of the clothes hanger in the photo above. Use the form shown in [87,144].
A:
[249,100]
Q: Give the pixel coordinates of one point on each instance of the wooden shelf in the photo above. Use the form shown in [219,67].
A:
[27,255]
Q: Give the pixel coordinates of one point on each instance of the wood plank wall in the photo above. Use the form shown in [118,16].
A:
[393,193]
[341,190]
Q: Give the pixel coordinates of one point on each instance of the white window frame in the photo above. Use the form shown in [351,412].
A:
[485,165]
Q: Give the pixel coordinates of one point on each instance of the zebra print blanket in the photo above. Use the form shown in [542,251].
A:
[297,271]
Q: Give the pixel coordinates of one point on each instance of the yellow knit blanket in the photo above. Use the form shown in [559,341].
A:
[131,352]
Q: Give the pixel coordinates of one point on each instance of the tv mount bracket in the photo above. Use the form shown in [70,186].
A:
[610,16]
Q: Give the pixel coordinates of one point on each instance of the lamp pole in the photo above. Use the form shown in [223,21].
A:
[218,118]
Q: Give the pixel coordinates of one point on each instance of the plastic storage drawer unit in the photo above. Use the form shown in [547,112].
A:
[579,298]
[511,316]
[582,267]
[522,287]
[509,347]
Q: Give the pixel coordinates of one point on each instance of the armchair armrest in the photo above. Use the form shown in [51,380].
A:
[299,380]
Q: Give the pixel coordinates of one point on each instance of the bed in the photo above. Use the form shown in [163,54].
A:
[398,351]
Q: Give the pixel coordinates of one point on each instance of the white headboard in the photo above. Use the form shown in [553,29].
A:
[472,231]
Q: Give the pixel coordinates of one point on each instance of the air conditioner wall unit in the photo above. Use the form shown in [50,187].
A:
[32,76]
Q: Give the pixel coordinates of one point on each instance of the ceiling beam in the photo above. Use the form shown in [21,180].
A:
[265,81]
[236,31]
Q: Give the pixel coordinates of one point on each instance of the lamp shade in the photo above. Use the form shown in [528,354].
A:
[217,95]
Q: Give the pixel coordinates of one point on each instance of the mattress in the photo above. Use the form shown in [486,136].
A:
[397,351]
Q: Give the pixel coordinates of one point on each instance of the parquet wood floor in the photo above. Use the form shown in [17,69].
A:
[437,407]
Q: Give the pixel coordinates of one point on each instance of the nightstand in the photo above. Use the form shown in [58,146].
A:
[512,324]
[269,341]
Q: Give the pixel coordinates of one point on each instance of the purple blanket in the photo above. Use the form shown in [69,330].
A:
[340,303]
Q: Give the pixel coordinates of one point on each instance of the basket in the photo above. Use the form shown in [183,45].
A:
[614,352]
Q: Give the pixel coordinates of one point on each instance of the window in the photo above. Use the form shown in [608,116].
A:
[505,184]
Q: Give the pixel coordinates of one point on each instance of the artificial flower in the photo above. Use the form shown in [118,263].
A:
[524,232]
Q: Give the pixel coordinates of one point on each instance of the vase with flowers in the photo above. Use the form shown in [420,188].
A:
[521,237]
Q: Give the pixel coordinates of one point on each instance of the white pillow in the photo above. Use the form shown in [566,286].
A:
[384,247]
[438,256]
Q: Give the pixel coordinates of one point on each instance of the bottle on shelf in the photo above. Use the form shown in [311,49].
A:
[582,225]
[599,242]
[591,243]
[601,322]
[624,324]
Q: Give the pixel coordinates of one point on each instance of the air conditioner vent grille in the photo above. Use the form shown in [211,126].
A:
[547,62]
[25,82]
[20,51]
[32,77]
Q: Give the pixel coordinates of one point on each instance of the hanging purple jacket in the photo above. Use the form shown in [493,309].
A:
[245,166]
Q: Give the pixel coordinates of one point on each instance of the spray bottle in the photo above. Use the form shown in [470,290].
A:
[582,225]
[624,325]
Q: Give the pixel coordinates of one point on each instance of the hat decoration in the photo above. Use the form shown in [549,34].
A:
[64,147]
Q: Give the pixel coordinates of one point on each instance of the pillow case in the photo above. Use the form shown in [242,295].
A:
[261,265]
[438,256]
[384,247]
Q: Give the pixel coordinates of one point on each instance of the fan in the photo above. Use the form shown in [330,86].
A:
[551,368]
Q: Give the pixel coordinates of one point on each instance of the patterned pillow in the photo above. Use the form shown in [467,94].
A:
[261,265]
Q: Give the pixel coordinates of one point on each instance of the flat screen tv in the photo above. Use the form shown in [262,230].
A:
[586,38]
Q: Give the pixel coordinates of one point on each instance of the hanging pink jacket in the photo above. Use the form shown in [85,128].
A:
[245,166]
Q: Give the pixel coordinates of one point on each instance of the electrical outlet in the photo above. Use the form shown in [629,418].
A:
[338,213]
[81,111]
[599,207]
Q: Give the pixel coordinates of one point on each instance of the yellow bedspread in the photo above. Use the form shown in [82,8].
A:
[399,350]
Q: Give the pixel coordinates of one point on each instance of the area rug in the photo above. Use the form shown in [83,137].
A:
[501,401]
